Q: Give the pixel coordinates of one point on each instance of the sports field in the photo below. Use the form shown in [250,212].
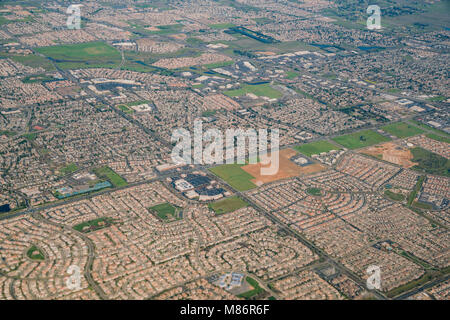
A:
[402,130]
[316,147]
[360,139]
[259,90]
[109,174]
[82,55]
[235,176]
[228,205]
[165,211]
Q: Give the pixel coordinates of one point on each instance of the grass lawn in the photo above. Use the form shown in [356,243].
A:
[71,167]
[228,205]
[438,138]
[35,254]
[402,130]
[82,55]
[316,147]
[37,78]
[93,225]
[254,292]
[235,176]
[426,127]
[430,162]
[257,89]
[222,25]
[124,108]
[314,191]
[360,139]
[394,196]
[165,210]
[109,174]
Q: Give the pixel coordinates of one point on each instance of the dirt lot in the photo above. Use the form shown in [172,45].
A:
[392,153]
[287,169]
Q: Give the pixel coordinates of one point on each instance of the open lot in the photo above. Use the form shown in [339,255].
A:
[287,169]
[391,152]
[360,139]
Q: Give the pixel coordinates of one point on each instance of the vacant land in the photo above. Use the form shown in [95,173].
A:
[360,139]
[286,169]
[392,153]
[402,130]
[430,162]
[92,54]
[228,205]
[234,176]
[316,147]
[109,174]
[260,90]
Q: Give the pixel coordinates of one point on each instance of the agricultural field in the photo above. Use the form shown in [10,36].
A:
[360,139]
[316,148]
[260,90]
[402,130]
[91,54]
[228,205]
[109,174]
[235,176]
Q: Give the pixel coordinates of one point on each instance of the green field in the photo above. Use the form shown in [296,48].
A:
[427,127]
[124,108]
[394,196]
[222,25]
[257,89]
[402,130]
[430,162]
[314,191]
[34,253]
[82,55]
[165,211]
[228,205]
[360,139]
[93,225]
[71,167]
[109,174]
[37,78]
[235,176]
[316,147]
[254,292]
[438,138]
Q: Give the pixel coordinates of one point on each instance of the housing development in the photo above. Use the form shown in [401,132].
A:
[351,97]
